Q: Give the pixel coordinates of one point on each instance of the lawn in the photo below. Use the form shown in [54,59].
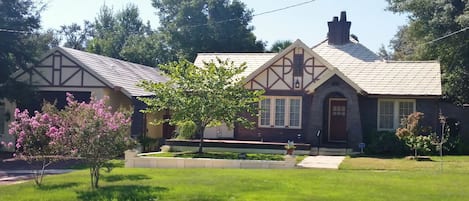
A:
[359,178]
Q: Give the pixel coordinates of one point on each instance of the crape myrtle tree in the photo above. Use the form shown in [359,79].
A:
[97,133]
[39,138]
[206,96]
[91,131]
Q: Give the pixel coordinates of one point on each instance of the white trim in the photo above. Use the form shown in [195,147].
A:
[286,112]
[329,119]
[396,118]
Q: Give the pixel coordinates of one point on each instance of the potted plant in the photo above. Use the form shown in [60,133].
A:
[290,147]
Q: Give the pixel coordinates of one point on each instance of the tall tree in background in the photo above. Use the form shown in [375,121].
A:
[428,21]
[75,36]
[20,43]
[192,26]
[111,31]
[280,45]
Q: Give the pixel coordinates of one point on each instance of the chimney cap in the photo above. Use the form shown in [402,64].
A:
[343,16]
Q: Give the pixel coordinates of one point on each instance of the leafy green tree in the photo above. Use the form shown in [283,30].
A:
[280,45]
[193,26]
[19,20]
[211,94]
[421,40]
[111,30]
[150,50]
[75,36]
[21,44]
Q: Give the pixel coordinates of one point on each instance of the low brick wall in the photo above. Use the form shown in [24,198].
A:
[132,160]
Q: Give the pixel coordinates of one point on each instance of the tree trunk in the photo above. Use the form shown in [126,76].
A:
[201,130]
[94,174]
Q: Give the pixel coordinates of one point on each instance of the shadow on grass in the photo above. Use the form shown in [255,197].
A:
[121,193]
[47,187]
[377,156]
[132,177]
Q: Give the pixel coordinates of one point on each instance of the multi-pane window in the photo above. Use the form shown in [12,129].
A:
[265,112]
[391,112]
[279,112]
[295,112]
[285,110]
[405,108]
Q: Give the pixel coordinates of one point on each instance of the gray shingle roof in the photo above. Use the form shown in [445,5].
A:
[377,76]
[115,72]
[253,60]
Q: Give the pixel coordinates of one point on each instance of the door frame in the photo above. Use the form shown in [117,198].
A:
[329,119]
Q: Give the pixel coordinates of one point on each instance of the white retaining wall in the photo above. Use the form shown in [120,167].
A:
[132,160]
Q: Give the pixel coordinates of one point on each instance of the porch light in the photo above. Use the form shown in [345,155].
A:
[297,83]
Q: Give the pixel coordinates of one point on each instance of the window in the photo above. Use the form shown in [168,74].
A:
[265,113]
[285,110]
[295,112]
[298,64]
[279,112]
[391,111]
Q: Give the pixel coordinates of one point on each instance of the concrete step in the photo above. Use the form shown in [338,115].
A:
[325,151]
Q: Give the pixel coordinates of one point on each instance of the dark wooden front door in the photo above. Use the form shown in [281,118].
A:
[337,120]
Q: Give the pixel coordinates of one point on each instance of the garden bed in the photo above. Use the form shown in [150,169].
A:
[219,155]
[132,160]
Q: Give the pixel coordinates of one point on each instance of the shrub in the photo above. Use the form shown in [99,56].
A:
[385,143]
[417,138]
[186,130]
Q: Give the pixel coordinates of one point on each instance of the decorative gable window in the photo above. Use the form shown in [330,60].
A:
[298,64]
[280,112]
[391,112]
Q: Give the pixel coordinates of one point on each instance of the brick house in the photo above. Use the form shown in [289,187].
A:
[338,89]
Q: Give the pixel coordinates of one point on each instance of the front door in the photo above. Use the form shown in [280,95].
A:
[337,120]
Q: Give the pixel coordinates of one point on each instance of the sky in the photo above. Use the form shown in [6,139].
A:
[370,22]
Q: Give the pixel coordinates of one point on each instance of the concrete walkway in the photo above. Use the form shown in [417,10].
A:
[18,176]
[323,162]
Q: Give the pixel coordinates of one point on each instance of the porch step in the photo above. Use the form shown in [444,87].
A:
[326,151]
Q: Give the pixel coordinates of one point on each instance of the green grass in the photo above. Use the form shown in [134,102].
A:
[378,179]
[452,164]
[221,155]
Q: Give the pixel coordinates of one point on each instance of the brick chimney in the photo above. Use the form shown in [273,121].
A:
[339,30]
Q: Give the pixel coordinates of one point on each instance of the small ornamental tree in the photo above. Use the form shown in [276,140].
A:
[39,138]
[412,133]
[206,95]
[97,133]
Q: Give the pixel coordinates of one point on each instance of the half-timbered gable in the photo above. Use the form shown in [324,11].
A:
[59,70]
[295,68]
[84,74]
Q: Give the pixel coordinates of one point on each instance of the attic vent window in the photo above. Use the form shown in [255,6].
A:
[298,64]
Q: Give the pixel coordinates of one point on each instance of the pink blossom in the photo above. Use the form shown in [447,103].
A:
[10,144]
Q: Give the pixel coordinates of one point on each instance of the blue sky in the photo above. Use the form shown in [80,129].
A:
[370,22]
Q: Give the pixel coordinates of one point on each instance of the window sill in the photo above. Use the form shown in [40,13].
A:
[279,127]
